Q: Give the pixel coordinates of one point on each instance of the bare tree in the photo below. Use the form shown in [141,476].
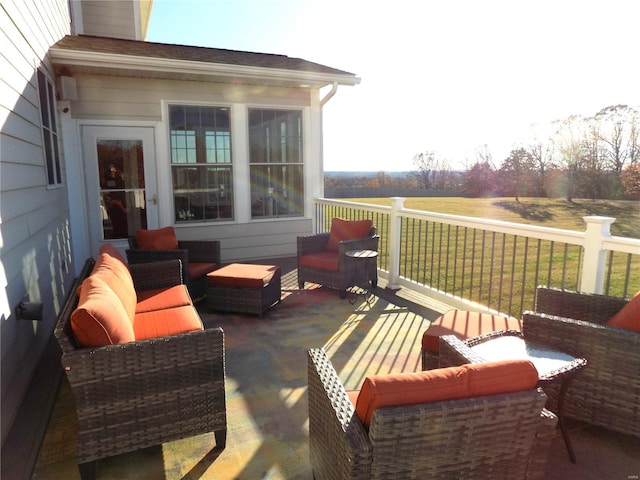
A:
[425,163]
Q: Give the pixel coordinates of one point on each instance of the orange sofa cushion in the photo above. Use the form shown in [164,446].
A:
[465,325]
[451,383]
[243,275]
[347,230]
[169,321]
[326,260]
[152,300]
[159,239]
[629,316]
[117,276]
[100,319]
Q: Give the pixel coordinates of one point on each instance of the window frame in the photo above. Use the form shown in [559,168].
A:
[276,195]
[49,129]
[195,159]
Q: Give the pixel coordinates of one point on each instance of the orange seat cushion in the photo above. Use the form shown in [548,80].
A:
[243,275]
[159,239]
[152,300]
[466,381]
[464,325]
[100,319]
[170,321]
[347,230]
[629,316]
[200,269]
[326,260]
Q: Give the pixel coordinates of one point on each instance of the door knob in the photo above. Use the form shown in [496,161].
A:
[154,199]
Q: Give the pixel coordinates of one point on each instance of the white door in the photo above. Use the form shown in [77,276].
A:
[121,182]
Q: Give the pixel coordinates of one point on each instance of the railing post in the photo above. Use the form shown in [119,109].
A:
[395,224]
[595,257]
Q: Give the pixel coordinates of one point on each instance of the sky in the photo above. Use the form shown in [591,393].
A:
[444,76]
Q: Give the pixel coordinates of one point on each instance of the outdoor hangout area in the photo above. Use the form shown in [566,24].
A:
[335,381]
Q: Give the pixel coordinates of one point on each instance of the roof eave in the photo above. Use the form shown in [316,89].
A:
[108,61]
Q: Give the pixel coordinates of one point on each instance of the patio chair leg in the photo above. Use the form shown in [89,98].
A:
[87,470]
[221,438]
[301,284]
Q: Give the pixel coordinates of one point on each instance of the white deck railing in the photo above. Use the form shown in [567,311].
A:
[484,264]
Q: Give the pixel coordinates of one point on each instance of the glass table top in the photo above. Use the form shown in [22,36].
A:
[548,361]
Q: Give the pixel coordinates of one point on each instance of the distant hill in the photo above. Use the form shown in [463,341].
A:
[366,174]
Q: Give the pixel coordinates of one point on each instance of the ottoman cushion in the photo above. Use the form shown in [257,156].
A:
[464,325]
[243,275]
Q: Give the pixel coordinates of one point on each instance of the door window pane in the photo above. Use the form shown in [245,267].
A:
[122,194]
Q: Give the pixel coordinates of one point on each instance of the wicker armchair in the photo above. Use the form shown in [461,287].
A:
[139,394]
[496,436]
[345,276]
[198,258]
[607,391]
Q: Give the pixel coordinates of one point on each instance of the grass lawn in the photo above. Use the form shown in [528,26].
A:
[548,212]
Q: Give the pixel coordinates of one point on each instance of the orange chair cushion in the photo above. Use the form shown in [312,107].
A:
[160,239]
[117,277]
[465,325]
[170,321]
[200,269]
[347,230]
[629,316]
[172,297]
[100,319]
[243,275]
[326,260]
[466,381]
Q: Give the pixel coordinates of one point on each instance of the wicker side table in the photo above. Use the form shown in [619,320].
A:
[552,364]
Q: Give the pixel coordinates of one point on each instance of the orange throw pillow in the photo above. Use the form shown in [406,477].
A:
[451,383]
[347,230]
[629,316]
[100,319]
[160,239]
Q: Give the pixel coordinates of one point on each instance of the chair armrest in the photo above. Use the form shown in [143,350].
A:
[137,255]
[154,275]
[203,251]
[579,305]
[338,442]
[366,243]
[312,243]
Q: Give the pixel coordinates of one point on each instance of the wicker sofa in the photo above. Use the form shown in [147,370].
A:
[607,391]
[134,394]
[505,435]
[322,257]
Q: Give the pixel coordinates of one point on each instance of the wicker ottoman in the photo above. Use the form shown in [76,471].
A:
[244,288]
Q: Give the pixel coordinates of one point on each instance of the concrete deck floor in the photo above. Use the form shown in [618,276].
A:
[601,454]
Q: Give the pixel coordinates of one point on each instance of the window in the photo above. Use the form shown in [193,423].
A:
[201,163]
[49,129]
[275,142]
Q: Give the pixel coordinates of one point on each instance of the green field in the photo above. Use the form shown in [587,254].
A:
[548,212]
[502,271]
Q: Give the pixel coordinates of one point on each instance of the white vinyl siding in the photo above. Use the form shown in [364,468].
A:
[35,255]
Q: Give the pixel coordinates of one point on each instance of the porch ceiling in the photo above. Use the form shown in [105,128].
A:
[129,58]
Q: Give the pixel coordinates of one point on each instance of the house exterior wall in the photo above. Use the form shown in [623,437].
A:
[111,100]
[115,18]
[35,254]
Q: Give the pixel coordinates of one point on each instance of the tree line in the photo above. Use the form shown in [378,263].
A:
[577,157]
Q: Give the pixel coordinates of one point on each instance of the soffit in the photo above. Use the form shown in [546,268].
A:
[130,58]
